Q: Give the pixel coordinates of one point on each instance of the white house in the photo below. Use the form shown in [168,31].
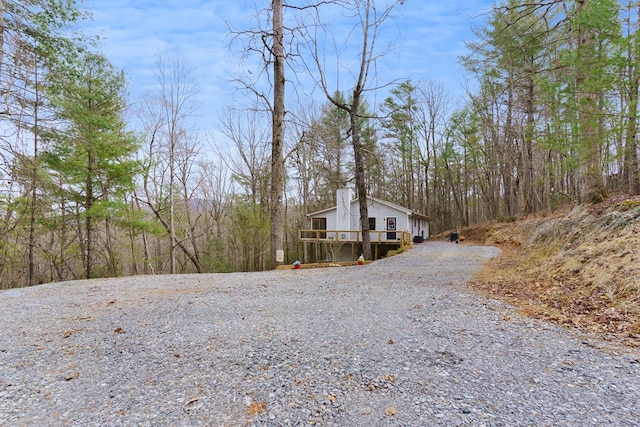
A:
[390,225]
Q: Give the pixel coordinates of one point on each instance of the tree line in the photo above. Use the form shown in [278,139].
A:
[95,185]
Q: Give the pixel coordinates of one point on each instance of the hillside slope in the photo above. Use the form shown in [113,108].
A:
[580,269]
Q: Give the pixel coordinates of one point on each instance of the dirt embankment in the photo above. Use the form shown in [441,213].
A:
[580,268]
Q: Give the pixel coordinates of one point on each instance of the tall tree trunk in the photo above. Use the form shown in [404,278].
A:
[631,144]
[35,168]
[89,223]
[528,202]
[506,155]
[277,158]
[592,186]
[32,218]
[632,171]
[371,19]
[172,224]
[360,178]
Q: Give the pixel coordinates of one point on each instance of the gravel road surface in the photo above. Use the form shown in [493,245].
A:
[400,342]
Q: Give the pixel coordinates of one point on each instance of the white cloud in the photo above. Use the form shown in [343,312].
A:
[427,37]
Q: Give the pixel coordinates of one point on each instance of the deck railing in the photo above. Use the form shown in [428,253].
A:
[399,237]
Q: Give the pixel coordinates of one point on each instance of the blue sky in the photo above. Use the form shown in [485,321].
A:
[427,39]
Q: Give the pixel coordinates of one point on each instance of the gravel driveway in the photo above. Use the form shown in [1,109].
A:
[400,342]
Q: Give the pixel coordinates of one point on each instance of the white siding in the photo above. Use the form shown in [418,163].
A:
[380,212]
[420,227]
[331,220]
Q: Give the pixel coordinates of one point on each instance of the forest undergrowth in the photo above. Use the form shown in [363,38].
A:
[579,267]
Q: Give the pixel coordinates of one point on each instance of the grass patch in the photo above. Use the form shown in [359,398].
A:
[395,252]
[628,205]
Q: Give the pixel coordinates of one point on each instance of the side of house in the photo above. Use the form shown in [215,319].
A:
[390,226]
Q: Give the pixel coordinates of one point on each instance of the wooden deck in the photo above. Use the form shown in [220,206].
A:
[344,245]
[400,237]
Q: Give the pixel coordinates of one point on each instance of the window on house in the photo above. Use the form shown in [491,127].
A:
[372,223]
[319,224]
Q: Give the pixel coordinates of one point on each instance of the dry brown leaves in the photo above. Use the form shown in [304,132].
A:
[256,408]
[591,283]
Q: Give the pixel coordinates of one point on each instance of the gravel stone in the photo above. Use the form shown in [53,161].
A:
[399,342]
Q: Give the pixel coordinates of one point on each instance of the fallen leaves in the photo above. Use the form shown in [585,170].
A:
[70,332]
[577,269]
[390,411]
[256,408]
[380,382]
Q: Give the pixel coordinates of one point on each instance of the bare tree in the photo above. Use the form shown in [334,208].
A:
[269,90]
[250,166]
[177,93]
[167,119]
[277,141]
[433,115]
[370,20]
[217,190]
